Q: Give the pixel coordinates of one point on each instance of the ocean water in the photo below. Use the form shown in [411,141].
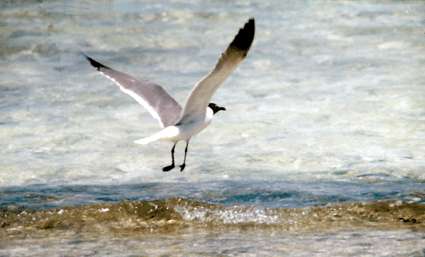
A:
[321,151]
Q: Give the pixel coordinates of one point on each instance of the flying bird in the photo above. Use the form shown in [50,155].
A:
[177,123]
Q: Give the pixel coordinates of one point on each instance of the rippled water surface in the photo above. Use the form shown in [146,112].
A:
[327,110]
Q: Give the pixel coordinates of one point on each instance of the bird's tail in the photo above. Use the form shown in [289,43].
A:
[166,134]
[147,140]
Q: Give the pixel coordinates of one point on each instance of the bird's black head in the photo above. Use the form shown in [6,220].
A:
[216,108]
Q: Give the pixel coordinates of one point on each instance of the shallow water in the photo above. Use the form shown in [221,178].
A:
[360,243]
[328,109]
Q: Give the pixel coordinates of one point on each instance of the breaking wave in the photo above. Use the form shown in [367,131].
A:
[177,213]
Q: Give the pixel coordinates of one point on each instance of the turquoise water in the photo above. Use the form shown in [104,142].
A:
[282,194]
[328,108]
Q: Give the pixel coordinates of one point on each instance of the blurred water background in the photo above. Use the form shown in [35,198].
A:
[328,108]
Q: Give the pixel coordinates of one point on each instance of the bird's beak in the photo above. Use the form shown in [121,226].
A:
[221,109]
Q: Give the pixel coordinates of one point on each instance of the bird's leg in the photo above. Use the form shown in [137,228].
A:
[184,160]
[170,167]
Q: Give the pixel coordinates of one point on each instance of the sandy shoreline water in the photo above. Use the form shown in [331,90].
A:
[179,227]
[175,214]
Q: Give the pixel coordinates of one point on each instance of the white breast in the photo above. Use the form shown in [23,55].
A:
[189,129]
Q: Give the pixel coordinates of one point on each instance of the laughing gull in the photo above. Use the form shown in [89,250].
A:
[177,123]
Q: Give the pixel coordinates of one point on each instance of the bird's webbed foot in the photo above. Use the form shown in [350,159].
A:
[168,168]
[182,167]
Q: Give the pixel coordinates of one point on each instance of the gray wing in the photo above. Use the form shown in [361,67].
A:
[201,94]
[150,95]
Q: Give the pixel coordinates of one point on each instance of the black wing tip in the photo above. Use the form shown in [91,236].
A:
[243,40]
[95,63]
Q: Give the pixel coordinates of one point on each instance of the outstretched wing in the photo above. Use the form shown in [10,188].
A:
[150,95]
[201,94]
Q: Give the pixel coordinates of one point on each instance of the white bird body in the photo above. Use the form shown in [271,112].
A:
[177,123]
[180,132]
